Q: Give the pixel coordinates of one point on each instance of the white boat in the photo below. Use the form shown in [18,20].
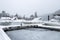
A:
[34,21]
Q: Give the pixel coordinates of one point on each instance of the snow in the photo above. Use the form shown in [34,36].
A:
[21,20]
[54,20]
[37,19]
[40,23]
[58,17]
[3,35]
[6,18]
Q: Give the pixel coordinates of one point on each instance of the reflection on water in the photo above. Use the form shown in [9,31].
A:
[34,34]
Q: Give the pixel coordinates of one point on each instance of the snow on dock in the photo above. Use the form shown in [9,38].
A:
[3,35]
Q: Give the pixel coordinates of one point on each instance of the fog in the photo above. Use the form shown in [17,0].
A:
[27,7]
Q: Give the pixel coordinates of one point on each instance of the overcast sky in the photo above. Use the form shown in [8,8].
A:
[27,7]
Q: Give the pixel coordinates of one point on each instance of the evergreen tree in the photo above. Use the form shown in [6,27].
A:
[16,15]
[32,16]
[4,14]
[36,15]
[24,17]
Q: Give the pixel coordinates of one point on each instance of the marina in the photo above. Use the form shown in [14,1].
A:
[29,19]
[34,29]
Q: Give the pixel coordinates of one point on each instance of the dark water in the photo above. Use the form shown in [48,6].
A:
[34,34]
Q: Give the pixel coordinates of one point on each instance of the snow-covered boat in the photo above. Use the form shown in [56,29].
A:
[53,22]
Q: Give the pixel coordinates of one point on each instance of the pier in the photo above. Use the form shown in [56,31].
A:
[3,29]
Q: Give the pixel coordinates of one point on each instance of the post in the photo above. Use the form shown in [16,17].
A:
[21,24]
[48,17]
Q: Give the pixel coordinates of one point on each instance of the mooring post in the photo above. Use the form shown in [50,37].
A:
[21,24]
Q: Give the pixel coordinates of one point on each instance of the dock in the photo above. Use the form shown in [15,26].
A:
[4,36]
